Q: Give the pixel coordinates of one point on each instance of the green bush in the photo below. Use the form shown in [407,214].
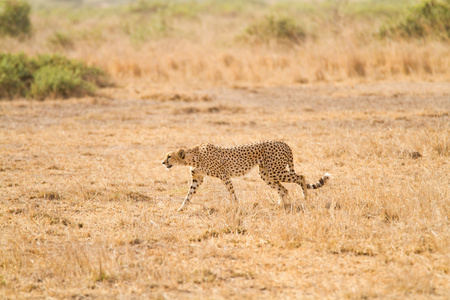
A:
[429,18]
[47,76]
[15,75]
[89,74]
[278,29]
[15,18]
[59,82]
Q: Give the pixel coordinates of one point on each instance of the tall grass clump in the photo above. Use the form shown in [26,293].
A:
[15,18]
[275,29]
[47,76]
[429,18]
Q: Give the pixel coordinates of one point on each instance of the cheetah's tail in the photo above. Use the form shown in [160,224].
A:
[320,183]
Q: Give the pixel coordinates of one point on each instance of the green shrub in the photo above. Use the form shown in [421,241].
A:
[429,18]
[278,29]
[15,75]
[59,82]
[15,18]
[89,74]
[47,76]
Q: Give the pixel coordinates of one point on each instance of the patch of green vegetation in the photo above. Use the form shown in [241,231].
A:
[192,9]
[15,75]
[148,20]
[275,29]
[59,81]
[168,9]
[297,8]
[147,6]
[15,18]
[141,30]
[61,40]
[430,18]
[232,7]
[153,19]
[47,76]
[376,8]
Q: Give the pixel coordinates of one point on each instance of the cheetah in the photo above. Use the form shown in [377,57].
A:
[274,158]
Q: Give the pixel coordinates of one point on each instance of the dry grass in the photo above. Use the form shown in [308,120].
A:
[87,209]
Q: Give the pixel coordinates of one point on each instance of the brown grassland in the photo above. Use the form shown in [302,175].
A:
[88,211]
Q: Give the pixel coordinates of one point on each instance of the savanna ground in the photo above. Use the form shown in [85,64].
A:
[88,211]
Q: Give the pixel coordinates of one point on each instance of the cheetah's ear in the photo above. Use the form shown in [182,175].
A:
[181,153]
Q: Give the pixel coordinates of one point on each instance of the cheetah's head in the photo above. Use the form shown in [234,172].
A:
[175,158]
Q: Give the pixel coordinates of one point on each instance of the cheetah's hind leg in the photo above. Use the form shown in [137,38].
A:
[282,191]
[292,177]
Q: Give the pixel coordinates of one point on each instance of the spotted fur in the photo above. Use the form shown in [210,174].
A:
[275,161]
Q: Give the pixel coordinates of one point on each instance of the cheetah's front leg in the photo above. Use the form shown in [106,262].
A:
[197,180]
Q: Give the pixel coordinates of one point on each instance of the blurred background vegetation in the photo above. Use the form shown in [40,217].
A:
[218,43]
